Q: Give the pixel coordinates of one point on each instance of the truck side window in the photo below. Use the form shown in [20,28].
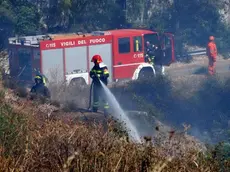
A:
[124,45]
[137,44]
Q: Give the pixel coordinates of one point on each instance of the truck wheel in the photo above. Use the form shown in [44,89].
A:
[77,82]
[146,74]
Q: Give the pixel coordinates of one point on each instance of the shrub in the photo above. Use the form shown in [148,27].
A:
[12,131]
[148,95]
[32,143]
[9,83]
[21,92]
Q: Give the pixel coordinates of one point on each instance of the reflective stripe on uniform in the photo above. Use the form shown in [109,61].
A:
[44,80]
[96,71]
[96,104]
[106,106]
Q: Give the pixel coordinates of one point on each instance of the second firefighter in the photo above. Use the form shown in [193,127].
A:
[97,73]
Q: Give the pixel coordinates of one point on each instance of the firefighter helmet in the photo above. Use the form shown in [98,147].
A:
[96,58]
[37,78]
[211,38]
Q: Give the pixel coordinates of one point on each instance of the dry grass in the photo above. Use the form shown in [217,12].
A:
[71,97]
[200,60]
[56,146]
[39,137]
[32,141]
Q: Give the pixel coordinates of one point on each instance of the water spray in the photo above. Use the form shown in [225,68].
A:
[120,114]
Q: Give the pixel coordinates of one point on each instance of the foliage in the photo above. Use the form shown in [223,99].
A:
[12,130]
[7,21]
[27,20]
[191,21]
[31,143]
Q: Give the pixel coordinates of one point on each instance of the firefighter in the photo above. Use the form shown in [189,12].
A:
[211,52]
[39,89]
[149,53]
[97,73]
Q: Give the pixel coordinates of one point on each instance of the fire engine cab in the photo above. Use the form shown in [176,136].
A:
[68,57]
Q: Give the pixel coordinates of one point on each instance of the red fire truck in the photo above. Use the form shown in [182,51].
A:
[68,57]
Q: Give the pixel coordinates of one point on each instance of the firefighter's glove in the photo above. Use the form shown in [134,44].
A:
[95,77]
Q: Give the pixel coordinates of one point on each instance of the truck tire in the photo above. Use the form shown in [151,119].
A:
[146,73]
[77,82]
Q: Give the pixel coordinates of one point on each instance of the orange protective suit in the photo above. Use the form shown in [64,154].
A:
[212,55]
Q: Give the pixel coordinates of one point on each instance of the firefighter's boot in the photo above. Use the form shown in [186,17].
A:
[95,106]
[95,109]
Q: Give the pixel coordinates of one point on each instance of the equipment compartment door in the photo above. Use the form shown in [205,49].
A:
[25,64]
[76,59]
[36,61]
[13,61]
[53,65]
[168,48]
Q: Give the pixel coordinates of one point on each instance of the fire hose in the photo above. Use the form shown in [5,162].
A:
[90,95]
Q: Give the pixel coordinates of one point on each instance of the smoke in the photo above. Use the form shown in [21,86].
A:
[201,102]
[120,115]
[203,136]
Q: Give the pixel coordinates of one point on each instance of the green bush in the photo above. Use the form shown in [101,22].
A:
[12,131]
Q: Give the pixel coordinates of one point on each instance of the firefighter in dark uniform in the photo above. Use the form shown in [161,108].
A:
[149,53]
[39,89]
[97,73]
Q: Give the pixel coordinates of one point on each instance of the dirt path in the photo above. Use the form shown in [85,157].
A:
[198,67]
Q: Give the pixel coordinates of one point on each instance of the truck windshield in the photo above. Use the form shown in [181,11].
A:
[151,38]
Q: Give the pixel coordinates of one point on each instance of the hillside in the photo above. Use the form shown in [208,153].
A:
[41,137]
[77,135]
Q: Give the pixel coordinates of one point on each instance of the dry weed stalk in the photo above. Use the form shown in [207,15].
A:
[56,145]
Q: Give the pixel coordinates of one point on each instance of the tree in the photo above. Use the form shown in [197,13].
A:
[27,20]
[7,21]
